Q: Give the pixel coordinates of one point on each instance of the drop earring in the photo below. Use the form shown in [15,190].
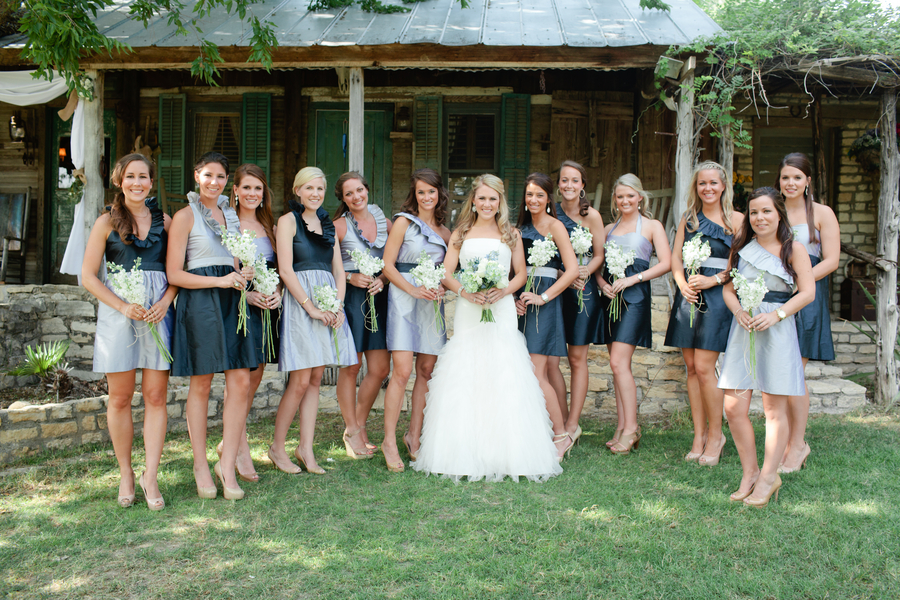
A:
[548,208]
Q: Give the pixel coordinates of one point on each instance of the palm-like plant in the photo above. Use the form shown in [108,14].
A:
[46,362]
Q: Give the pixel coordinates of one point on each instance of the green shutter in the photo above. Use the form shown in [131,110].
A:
[515,141]
[172,114]
[427,131]
[256,134]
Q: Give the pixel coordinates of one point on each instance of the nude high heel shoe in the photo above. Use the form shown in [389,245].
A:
[152,503]
[761,502]
[783,469]
[127,501]
[707,460]
[317,471]
[398,467]
[351,451]
[227,492]
[627,443]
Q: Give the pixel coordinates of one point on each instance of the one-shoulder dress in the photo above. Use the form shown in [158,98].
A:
[711,316]
[307,342]
[356,302]
[779,368]
[633,326]
[122,344]
[587,326]
[814,319]
[205,338]
[411,325]
[254,315]
[543,327]
[485,415]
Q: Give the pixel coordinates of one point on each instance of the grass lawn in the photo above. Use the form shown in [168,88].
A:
[646,525]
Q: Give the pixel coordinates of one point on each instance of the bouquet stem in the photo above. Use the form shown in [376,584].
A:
[167,356]
[529,283]
[581,291]
[752,351]
[487,315]
[615,307]
[242,313]
[337,350]
[438,318]
[371,315]
[268,342]
[693,304]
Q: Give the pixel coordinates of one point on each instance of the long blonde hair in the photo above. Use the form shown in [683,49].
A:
[695,204]
[631,180]
[468,216]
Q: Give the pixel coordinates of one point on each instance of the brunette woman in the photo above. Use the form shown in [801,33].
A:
[205,339]
[816,227]
[542,321]
[309,257]
[711,218]
[634,230]
[134,228]
[361,226]
[418,227]
[765,245]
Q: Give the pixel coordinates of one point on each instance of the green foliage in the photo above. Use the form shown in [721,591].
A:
[42,360]
[657,4]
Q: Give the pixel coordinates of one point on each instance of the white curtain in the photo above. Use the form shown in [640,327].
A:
[207,128]
[22,89]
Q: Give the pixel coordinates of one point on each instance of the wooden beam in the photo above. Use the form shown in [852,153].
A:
[726,153]
[880,263]
[821,181]
[684,148]
[867,77]
[887,245]
[356,128]
[93,149]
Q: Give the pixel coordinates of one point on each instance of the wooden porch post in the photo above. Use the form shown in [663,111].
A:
[684,130]
[356,133]
[93,149]
[726,154]
[888,227]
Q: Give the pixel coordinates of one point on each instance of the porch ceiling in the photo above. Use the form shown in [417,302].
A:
[605,34]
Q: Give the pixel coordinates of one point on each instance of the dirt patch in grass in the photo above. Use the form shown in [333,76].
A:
[38,394]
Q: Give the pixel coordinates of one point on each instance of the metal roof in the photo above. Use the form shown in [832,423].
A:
[536,23]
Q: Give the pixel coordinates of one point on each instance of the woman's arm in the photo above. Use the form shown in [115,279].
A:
[661,246]
[175,254]
[806,291]
[677,263]
[830,238]
[284,240]
[570,264]
[391,252]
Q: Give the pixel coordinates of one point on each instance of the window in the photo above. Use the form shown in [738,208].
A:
[472,136]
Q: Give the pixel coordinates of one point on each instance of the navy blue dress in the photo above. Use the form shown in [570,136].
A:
[814,319]
[633,326]
[356,300]
[586,326]
[712,318]
[543,326]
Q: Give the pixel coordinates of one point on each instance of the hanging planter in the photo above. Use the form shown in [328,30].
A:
[867,150]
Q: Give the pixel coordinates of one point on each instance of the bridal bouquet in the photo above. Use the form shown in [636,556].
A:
[265,281]
[326,299]
[242,248]
[617,260]
[751,294]
[582,241]
[130,286]
[429,275]
[484,273]
[693,253]
[368,265]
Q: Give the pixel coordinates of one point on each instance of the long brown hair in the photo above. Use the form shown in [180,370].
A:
[785,233]
[583,204]
[468,216]
[432,178]
[800,161]
[120,218]
[545,183]
[264,210]
[695,204]
[339,190]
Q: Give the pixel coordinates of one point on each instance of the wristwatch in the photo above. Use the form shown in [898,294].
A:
[545,297]
[781,314]
[718,281]
[640,276]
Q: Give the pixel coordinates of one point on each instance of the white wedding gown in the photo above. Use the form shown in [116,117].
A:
[485,416]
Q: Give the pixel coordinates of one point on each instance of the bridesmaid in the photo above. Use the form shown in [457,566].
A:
[252,199]
[639,232]
[543,325]
[411,329]
[361,226]
[583,326]
[709,215]
[133,228]
[816,227]
[767,246]
[205,332]
[308,256]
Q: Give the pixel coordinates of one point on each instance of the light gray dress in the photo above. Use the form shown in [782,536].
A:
[410,324]
[779,368]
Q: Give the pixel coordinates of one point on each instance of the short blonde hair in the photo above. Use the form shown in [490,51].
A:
[307,174]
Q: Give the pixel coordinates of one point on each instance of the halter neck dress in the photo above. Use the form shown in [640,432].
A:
[711,316]
[205,338]
[122,344]
[814,319]
[307,342]
[779,368]
[587,326]
[633,326]
[356,301]
[543,326]
[410,323]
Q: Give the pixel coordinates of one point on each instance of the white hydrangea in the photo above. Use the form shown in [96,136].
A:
[366,263]
[618,259]
[582,242]
[266,280]
[429,276]
[241,246]
[483,273]
[750,293]
[129,285]
[694,253]
[326,299]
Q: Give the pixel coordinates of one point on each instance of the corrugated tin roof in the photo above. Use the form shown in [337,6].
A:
[575,23]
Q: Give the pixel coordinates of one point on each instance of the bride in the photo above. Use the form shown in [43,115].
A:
[485,416]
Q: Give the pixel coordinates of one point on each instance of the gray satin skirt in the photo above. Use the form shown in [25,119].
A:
[411,323]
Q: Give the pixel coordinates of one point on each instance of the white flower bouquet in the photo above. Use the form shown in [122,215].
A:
[129,285]
[693,253]
[368,265]
[582,242]
[429,275]
[326,299]
[617,260]
[484,273]
[540,253]
[750,294]
[265,281]
[241,247]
